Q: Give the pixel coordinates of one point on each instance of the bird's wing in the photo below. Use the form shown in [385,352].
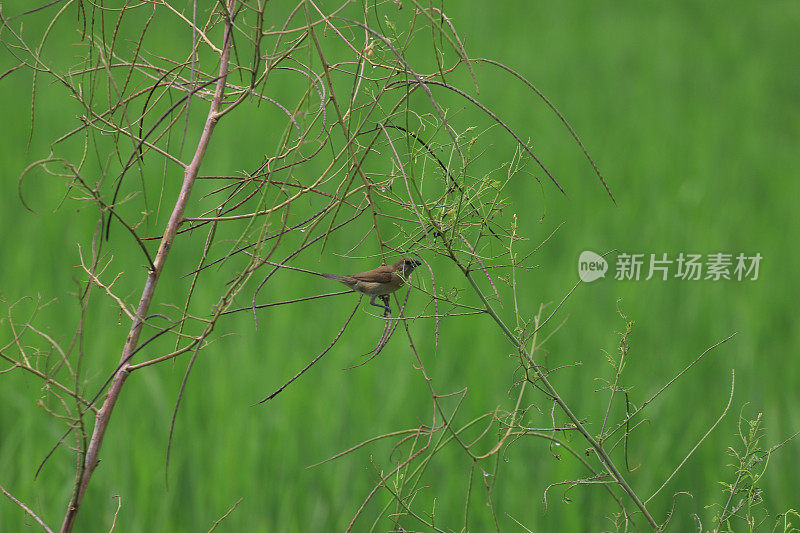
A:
[381,274]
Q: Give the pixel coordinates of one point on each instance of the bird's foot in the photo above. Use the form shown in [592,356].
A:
[385,300]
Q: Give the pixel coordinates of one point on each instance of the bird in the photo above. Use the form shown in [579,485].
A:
[381,281]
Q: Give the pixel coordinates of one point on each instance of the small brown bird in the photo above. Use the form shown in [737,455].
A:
[379,282]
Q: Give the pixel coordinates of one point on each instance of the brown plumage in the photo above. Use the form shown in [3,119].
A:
[378,282]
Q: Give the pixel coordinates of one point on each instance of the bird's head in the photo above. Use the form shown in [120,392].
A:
[406,265]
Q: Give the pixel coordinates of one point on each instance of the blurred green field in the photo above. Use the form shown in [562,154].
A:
[692,112]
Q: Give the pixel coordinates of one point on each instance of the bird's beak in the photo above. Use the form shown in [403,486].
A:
[416,262]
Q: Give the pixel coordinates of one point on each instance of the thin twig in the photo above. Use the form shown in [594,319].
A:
[27,510]
[317,358]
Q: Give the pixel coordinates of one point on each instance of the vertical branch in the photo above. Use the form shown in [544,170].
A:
[104,415]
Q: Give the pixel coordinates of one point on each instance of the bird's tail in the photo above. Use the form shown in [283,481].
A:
[335,277]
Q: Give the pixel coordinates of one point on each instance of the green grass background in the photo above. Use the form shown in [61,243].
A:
[692,112]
